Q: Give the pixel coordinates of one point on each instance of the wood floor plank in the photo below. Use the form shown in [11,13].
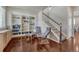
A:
[29,44]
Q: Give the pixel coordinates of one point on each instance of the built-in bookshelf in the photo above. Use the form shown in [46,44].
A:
[31,23]
[22,24]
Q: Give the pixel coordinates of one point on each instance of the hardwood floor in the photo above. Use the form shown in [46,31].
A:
[34,44]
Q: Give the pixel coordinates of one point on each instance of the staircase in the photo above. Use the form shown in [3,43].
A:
[56,28]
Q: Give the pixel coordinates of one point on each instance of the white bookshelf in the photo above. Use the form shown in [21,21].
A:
[24,23]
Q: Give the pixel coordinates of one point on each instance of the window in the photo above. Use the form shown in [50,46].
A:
[2,17]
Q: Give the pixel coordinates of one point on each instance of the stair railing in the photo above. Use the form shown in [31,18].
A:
[59,24]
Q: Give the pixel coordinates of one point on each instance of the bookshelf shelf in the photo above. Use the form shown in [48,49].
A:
[22,24]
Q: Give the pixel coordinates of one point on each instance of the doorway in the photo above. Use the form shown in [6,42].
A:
[76,24]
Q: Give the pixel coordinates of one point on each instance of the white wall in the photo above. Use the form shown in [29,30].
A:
[15,11]
[2,17]
[59,14]
[76,23]
[40,22]
[76,18]
[70,22]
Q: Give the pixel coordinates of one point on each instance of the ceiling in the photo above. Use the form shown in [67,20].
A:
[29,9]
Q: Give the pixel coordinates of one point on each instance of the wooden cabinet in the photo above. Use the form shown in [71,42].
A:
[5,37]
[1,42]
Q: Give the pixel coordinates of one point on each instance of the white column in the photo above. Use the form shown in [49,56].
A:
[70,22]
